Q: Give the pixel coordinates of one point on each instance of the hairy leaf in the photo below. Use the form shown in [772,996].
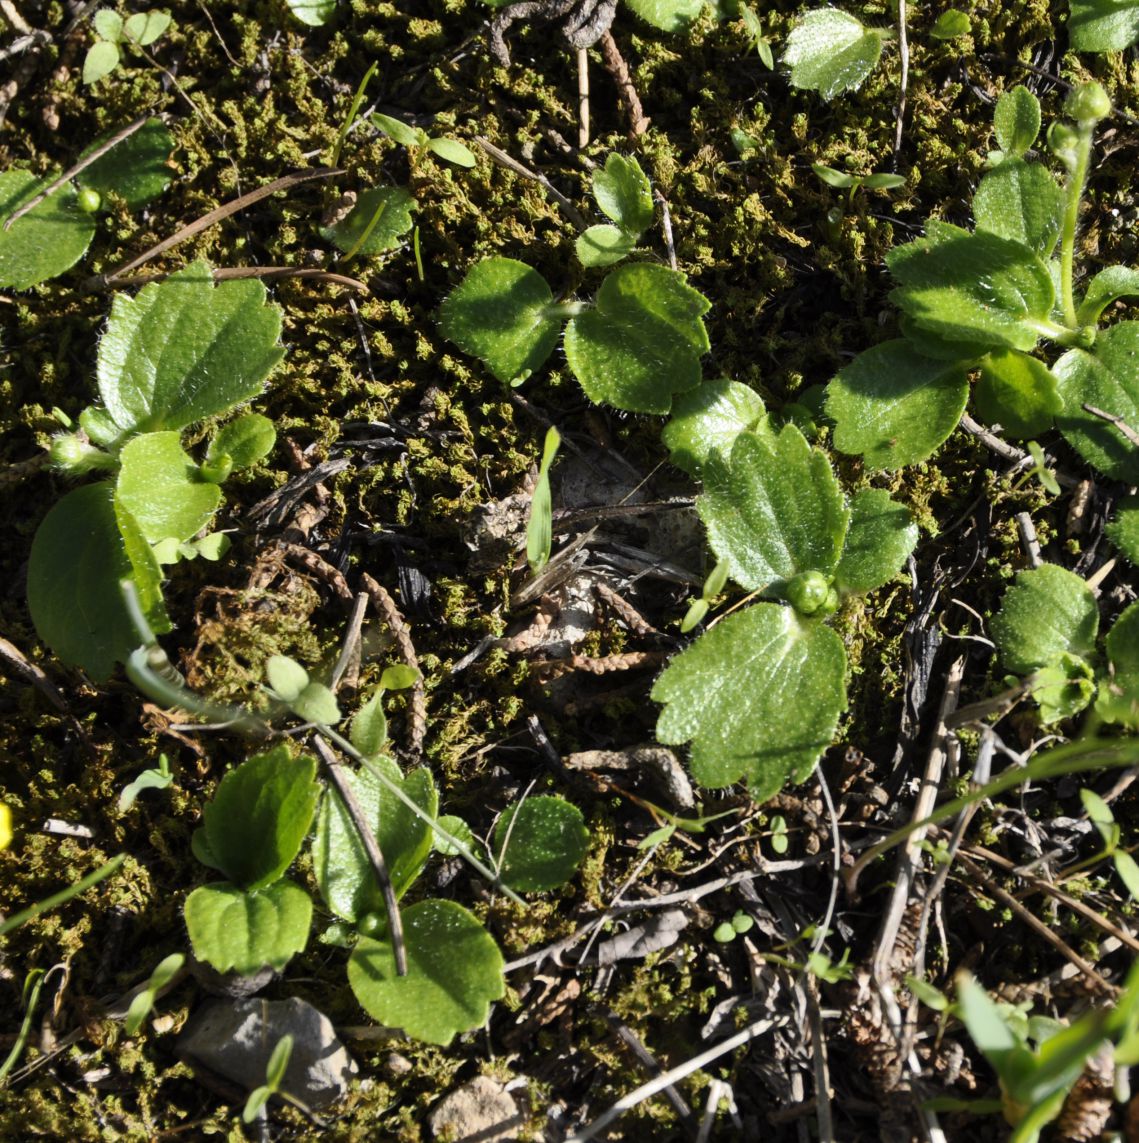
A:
[1048,611]
[830,51]
[1108,285]
[708,419]
[1022,202]
[380,218]
[1119,692]
[668,15]
[1016,120]
[604,245]
[454,972]
[539,843]
[878,542]
[758,696]
[643,340]
[1102,25]
[233,931]
[47,240]
[245,440]
[1017,392]
[1123,531]
[101,59]
[774,510]
[623,193]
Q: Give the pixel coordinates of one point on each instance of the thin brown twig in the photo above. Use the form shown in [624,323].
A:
[1112,419]
[371,846]
[512,164]
[619,69]
[350,652]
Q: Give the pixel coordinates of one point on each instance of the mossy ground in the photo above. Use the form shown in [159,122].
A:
[250,94]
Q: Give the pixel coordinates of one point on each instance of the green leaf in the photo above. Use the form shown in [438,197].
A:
[147,780]
[503,313]
[259,816]
[539,528]
[158,484]
[143,1003]
[315,13]
[604,245]
[1048,611]
[894,406]
[457,828]
[403,133]
[399,676]
[241,932]
[245,440]
[1128,871]
[624,194]
[1022,202]
[708,419]
[978,288]
[1100,815]
[316,703]
[1107,380]
[146,27]
[380,218]
[668,15]
[1107,286]
[108,24]
[454,972]
[1102,25]
[77,559]
[642,342]
[1119,691]
[137,169]
[758,695]
[1016,120]
[278,1063]
[286,676]
[185,349]
[539,843]
[452,151]
[47,240]
[1017,392]
[145,571]
[342,869]
[101,59]
[984,1022]
[368,730]
[1123,531]
[880,538]
[840,180]
[830,51]
[950,24]
[1063,688]
[883,181]
[774,511]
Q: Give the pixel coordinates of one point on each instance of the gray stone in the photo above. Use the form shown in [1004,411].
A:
[236,1038]
[481,1111]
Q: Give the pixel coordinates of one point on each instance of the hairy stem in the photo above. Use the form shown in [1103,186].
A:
[1077,177]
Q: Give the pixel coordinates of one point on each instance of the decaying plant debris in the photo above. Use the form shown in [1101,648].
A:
[720,967]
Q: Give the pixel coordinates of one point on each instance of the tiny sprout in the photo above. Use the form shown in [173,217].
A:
[88,200]
[779,834]
[216,470]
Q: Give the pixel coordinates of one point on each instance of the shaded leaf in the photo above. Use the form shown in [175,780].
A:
[539,843]
[1108,285]
[708,419]
[1102,25]
[623,193]
[830,51]
[454,972]
[1022,202]
[1063,688]
[108,24]
[241,932]
[47,240]
[137,169]
[380,218]
[758,696]
[1047,612]
[950,24]
[1119,692]
[1016,120]
[286,676]
[878,542]
[1123,531]
[368,730]
[1017,392]
[604,245]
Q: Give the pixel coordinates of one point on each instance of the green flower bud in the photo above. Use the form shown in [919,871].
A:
[370,924]
[807,592]
[1063,142]
[88,200]
[74,454]
[1088,103]
[216,471]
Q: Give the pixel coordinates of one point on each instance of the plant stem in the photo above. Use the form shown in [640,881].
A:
[1077,177]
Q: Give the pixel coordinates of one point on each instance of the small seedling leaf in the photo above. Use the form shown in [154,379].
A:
[159,485]
[286,676]
[259,816]
[503,314]
[101,59]
[48,239]
[1128,872]
[884,181]
[1048,611]
[1022,202]
[1016,120]
[143,1003]
[771,729]
[623,193]
[1123,531]
[108,24]
[185,349]
[145,27]
[245,441]
[604,245]
[1106,287]
[694,616]
[1063,688]
[380,218]
[452,151]
[403,133]
[343,872]
[708,419]
[540,528]
[241,932]
[399,676]
[841,180]
[930,995]
[894,406]
[1118,699]
[1100,815]
[1102,25]
[454,972]
[878,542]
[278,1063]
[315,13]
[775,510]
[1017,392]
[255,1103]
[950,24]
[137,169]
[1107,380]
[830,51]
[368,730]
[978,288]
[539,843]
[316,703]
[643,340]
[668,15]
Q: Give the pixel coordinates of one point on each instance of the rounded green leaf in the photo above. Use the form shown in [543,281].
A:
[830,51]
[624,194]
[503,313]
[1123,531]
[47,240]
[1118,699]
[185,349]
[539,843]
[286,676]
[101,59]
[1108,285]
[457,828]
[316,703]
[245,441]
[146,27]
[708,419]
[137,169]
[1018,393]
[1063,688]
[241,932]
[1048,611]
[259,817]
[1016,120]
[878,542]
[368,730]
[758,696]
[643,340]
[1022,202]
[380,218]
[312,12]
[950,24]
[343,872]
[159,485]
[452,151]
[668,15]
[403,133]
[1102,25]
[108,24]
[454,972]
[773,511]
[604,245]
[1107,379]
[894,406]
